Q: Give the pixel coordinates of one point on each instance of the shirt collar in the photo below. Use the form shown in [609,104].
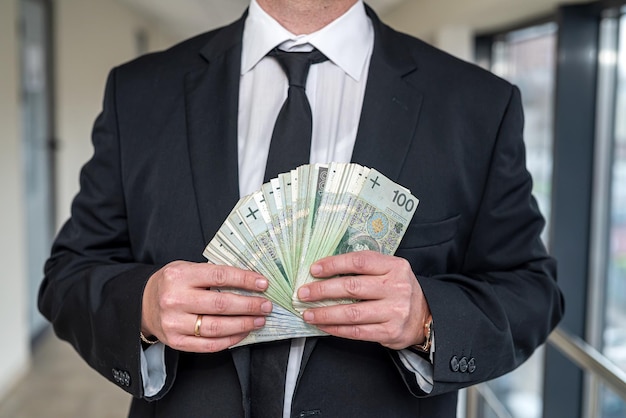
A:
[347,41]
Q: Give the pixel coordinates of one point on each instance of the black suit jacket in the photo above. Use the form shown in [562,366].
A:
[164,177]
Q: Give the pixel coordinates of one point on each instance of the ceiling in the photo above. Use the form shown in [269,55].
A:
[184,18]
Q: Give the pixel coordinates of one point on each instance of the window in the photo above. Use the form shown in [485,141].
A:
[576,116]
[614,334]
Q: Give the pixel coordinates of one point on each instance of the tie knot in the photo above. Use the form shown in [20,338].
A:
[296,64]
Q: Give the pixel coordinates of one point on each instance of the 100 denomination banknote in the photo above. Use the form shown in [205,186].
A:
[300,217]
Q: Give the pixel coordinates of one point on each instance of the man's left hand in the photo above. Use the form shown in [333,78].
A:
[391,307]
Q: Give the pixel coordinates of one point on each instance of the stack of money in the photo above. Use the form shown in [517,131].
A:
[300,217]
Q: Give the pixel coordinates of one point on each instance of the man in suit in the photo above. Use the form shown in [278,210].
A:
[185,132]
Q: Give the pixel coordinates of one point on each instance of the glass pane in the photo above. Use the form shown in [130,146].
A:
[614,337]
[527,59]
[612,405]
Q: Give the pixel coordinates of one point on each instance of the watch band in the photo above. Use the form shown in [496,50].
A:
[146,340]
[428,333]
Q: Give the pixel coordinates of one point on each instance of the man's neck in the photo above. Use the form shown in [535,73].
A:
[305,16]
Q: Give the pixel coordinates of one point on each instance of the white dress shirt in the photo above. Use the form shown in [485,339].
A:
[335,89]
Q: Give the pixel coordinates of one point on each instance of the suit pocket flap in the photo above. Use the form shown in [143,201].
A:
[427,234]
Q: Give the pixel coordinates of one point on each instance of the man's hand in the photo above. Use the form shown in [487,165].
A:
[176,294]
[391,310]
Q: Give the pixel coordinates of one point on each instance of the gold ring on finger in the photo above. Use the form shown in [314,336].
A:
[196,329]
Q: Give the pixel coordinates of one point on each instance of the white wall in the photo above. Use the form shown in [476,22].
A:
[91,37]
[14,355]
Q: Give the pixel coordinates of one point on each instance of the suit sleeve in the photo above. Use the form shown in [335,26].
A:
[492,315]
[93,286]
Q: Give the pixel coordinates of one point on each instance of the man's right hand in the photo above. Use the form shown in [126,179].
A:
[177,293]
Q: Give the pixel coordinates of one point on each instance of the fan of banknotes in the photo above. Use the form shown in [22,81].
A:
[299,217]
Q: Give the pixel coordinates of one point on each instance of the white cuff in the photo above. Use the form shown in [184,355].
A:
[421,368]
[153,369]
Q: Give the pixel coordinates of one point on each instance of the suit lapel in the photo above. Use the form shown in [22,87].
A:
[211,101]
[391,105]
[390,113]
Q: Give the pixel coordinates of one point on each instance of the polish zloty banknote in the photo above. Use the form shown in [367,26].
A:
[294,220]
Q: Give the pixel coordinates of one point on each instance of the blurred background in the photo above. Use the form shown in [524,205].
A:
[569,60]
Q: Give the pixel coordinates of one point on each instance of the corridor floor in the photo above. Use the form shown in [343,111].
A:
[60,385]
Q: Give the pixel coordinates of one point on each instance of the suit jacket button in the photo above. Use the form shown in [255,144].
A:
[116,375]
[471,365]
[126,379]
[463,365]
[121,377]
[454,364]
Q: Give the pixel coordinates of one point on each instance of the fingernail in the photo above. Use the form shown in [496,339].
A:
[308,316]
[261,284]
[304,293]
[259,322]
[266,307]
[316,269]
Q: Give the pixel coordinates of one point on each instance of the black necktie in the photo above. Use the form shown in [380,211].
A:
[290,148]
[291,139]
[268,371]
